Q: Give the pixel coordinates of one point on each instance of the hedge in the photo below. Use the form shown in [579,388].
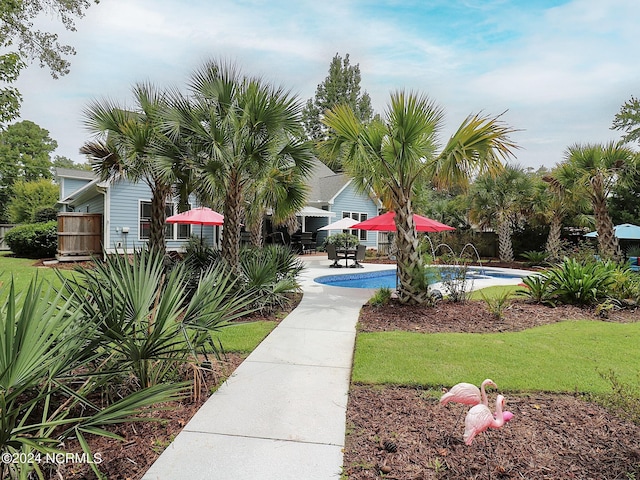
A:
[33,240]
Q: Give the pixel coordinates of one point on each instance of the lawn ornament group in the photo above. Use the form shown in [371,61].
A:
[479,417]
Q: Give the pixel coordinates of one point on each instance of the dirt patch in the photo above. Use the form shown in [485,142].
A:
[551,436]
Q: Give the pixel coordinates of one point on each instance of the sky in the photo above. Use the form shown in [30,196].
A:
[557,70]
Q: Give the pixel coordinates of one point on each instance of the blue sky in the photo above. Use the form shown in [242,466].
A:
[559,69]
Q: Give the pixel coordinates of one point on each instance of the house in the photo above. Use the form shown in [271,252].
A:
[124,210]
[121,211]
[335,193]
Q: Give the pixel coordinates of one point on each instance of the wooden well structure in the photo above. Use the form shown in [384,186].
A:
[79,236]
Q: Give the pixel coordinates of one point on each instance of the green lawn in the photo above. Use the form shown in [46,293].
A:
[566,356]
[22,271]
[243,337]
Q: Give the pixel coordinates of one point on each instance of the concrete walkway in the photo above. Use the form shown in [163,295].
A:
[281,415]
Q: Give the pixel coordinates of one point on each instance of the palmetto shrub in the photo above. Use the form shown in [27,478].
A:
[45,384]
[272,272]
[143,317]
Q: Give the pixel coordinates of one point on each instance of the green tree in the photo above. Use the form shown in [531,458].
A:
[628,120]
[593,170]
[503,202]
[25,150]
[341,87]
[229,134]
[122,148]
[60,161]
[394,155]
[624,203]
[29,198]
[25,43]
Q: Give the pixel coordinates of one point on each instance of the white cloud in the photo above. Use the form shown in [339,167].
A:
[561,73]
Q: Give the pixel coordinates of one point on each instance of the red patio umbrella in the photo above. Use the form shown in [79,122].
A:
[386,223]
[197,216]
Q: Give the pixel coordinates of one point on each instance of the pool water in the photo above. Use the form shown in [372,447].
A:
[387,278]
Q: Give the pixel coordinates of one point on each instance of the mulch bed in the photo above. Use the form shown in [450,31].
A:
[550,437]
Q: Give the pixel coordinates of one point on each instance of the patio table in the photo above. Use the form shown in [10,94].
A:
[345,253]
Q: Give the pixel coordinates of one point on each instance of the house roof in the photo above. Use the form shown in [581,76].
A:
[72,173]
[324,183]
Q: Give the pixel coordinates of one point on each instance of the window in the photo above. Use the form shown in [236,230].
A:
[171,232]
[360,217]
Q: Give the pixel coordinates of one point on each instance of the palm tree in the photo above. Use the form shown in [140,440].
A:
[502,201]
[592,170]
[555,203]
[282,190]
[122,149]
[234,129]
[392,155]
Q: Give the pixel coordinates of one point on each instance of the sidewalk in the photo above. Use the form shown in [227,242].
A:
[281,415]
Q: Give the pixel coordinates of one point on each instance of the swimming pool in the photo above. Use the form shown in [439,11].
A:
[387,278]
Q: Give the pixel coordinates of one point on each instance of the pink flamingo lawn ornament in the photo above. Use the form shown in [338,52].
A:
[467,393]
[480,418]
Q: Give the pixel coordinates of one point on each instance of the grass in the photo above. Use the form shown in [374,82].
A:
[494,291]
[243,337]
[563,357]
[22,271]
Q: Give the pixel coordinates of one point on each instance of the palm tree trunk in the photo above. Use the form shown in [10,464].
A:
[159,195]
[607,241]
[505,246]
[255,229]
[413,288]
[232,215]
[554,240]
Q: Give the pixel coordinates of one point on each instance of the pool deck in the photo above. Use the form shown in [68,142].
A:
[281,414]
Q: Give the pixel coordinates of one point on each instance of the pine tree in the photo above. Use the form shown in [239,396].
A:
[342,86]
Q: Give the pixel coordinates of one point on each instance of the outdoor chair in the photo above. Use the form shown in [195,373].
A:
[358,256]
[333,255]
[308,244]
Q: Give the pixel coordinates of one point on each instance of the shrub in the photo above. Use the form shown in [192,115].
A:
[143,317]
[624,399]
[271,271]
[49,370]
[45,214]
[455,278]
[579,283]
[381,297]
[497,304]
[33,240]
[342,240]
[534,257]
[537,289]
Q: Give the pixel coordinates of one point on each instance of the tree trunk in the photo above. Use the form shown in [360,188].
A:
[505,246]
[256,226]
[413,288]
[607,241]
[554,240]
[232,216]
[159,195]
